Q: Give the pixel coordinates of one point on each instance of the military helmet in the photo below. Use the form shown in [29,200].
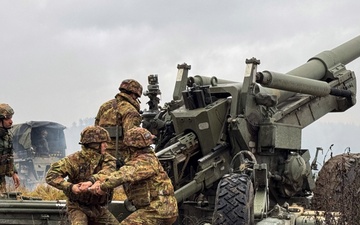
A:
[138,137]
[131,86]
[5,111]
[94,134]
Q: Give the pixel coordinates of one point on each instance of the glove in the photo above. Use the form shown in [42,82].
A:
[119,163]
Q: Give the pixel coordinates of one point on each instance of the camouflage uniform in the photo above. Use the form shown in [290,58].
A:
[148,186]
[85,207]
[122,111]
[7,167]
[42,147]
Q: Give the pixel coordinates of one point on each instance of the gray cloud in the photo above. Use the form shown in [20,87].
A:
[61,59]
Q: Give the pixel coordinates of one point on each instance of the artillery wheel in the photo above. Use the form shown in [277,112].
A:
[234,203]
[337,186]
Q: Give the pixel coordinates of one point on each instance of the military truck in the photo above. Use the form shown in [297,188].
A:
[37,144]
[233,148]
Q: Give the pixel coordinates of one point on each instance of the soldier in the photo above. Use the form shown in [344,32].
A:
[42,148]
[80,167]
[7,167]
[148,186]
[119,115]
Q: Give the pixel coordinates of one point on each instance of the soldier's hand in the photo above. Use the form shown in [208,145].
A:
[83,186]
[76,189]
[95,189]
[16,180]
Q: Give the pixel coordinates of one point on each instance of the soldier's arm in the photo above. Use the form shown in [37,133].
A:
[139,169]
[107,167]
[11,169]
[57,173]
[100,113]
[97,118]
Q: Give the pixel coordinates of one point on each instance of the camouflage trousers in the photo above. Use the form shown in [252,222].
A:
[94,215]
[2,184]
[142,217]
[162,211]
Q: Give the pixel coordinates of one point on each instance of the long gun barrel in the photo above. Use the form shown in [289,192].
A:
[299,84]
[318,68]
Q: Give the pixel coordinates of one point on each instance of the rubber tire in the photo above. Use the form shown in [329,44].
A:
[234,203]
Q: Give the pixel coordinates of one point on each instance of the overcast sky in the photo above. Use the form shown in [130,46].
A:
[60,60]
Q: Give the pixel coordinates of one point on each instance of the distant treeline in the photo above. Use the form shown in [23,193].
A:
[72,134]
[343,137]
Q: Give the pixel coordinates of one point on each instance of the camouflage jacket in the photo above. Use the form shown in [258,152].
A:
[123,110]
[7,167]
[80,167]
[147,184]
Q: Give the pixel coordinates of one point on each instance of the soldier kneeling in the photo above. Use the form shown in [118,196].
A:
[146,184]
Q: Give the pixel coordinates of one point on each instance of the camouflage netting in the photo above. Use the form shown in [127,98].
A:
[338,188]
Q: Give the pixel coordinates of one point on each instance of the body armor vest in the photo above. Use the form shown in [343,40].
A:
[84,172]
[141,193]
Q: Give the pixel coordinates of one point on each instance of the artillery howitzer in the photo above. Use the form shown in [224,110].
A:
[233,150]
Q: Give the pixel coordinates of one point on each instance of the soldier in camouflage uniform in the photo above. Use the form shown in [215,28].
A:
[148,186]
[7,167]
[42,147]
[119,115]
[80,168]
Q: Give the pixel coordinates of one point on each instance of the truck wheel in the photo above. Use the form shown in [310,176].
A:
[337,187]
[234,203]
